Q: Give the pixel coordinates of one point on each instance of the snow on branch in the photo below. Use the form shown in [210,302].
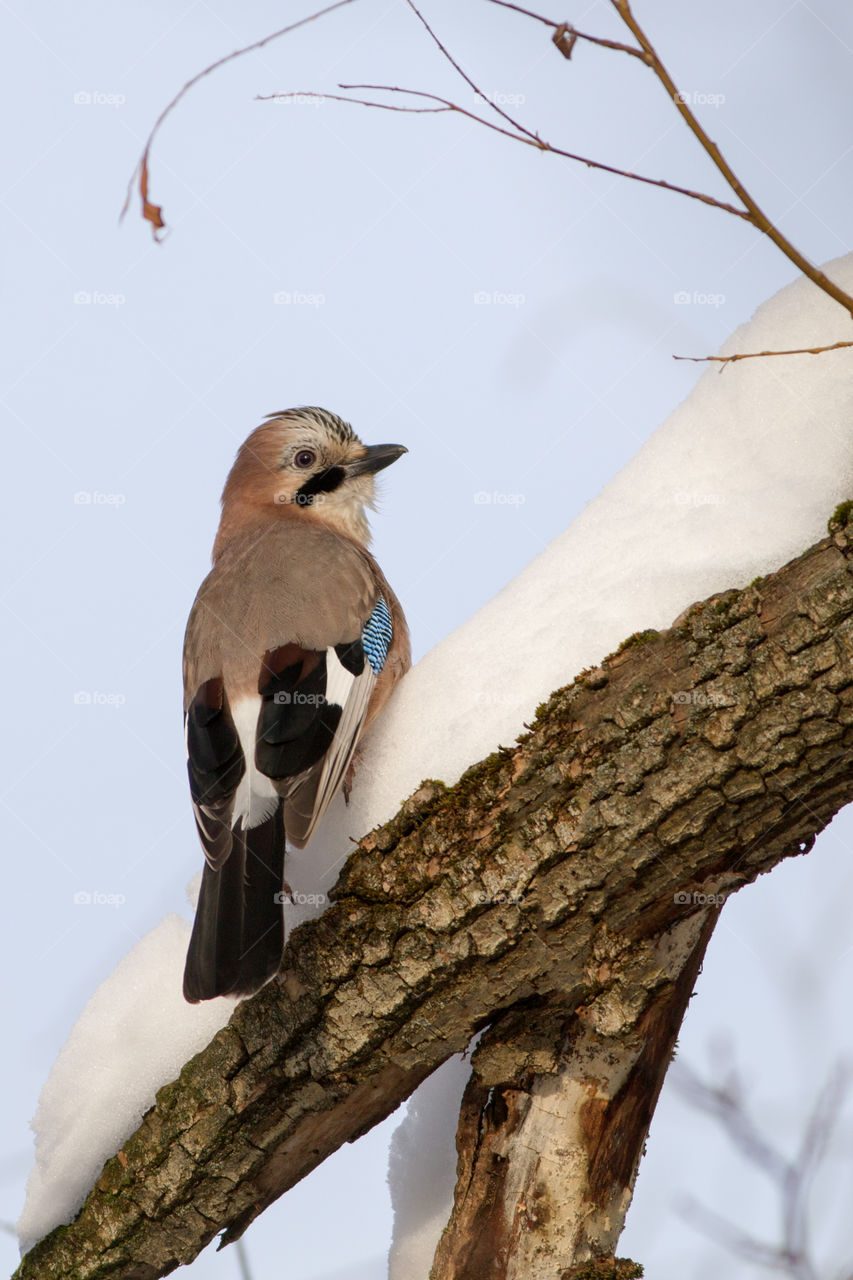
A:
[644,793]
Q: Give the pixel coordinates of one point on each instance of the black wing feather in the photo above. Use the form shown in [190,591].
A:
[296,724]
[215,765]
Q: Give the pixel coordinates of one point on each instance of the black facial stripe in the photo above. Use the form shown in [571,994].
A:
[324,482]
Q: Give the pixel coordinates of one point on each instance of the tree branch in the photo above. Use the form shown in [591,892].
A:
[680,769]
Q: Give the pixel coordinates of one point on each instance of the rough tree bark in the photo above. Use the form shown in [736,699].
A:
[560,895]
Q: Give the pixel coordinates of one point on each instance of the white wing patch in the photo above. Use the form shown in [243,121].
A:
[256,797]
[339,681]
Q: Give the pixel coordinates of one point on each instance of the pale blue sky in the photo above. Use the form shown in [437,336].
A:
[383,229]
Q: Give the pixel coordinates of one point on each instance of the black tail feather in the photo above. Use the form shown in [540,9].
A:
[238,932]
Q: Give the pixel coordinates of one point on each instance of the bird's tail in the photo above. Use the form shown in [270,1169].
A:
[238,932]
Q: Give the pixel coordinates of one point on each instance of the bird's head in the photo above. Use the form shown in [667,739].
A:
[306,463]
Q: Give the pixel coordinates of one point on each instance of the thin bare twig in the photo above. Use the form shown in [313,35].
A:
[243,1261]
[528,13]
[565,37]
[476,88]
[573,31]
[758,217]
[530,140]
[741,1243]
[793,1178]
[535,139]
[724,1103]
[648,54]
[804,1167]
[154,213]
[754,355]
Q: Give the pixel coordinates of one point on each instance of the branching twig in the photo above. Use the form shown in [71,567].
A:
[792,1178]
[741,1243]
[153,213]
[565,36]
[646,52]
[531,140]
[456,67]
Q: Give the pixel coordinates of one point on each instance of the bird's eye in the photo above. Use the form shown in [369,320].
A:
[305,458]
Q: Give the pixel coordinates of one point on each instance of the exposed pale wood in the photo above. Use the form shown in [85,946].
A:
[555,1116]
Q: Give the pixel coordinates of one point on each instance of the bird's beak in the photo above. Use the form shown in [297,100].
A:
[376,458]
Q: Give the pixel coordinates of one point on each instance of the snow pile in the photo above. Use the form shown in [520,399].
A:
[425,1140]
[740,478]
[133,1036]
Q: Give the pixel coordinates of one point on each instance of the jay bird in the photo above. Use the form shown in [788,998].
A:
[294,643]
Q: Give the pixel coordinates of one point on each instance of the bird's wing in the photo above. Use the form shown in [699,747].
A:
[364,659]
[312,715]
[215,764]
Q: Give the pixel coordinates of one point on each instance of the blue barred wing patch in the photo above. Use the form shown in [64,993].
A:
[376,636]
